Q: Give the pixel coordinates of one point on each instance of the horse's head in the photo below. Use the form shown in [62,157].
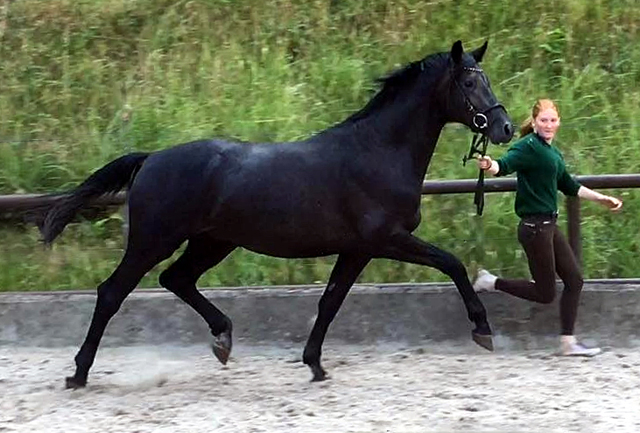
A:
[470,99]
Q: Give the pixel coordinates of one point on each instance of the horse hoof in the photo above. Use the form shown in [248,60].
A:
[483,340]
[221,347]
[72,383]
[319,375]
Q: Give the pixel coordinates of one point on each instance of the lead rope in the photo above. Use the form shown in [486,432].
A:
[479,145]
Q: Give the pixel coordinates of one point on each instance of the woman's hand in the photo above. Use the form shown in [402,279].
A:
[613,203]
[484,162]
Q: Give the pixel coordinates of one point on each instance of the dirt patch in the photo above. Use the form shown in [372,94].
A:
[373,389]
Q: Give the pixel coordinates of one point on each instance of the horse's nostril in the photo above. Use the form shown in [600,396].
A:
[508,129]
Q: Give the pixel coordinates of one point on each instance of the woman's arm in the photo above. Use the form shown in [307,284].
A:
[517,158]
[612,203]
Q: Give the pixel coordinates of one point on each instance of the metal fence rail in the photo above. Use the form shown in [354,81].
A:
[507,184]
[31,208]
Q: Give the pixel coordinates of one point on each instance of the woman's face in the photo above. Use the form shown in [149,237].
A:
[546,124]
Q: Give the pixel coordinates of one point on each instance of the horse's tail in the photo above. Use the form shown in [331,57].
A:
[110,179]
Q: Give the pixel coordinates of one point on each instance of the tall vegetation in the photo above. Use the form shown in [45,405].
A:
[84,81]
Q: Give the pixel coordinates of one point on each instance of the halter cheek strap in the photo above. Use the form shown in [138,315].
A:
[480,120]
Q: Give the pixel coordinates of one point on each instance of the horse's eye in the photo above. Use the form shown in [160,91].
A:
[468,84]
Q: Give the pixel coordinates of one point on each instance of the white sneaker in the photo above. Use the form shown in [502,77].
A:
[485,281]
[569,346]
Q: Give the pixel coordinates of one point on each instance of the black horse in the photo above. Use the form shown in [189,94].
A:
[353,190]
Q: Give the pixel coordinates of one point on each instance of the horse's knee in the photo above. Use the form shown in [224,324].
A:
[171,278]
[450,265]
[457,267]
[109,298]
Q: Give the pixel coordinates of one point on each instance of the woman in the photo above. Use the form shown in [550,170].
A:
[541,172]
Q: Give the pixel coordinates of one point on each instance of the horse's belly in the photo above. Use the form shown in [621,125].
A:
[294,240]
[292,252]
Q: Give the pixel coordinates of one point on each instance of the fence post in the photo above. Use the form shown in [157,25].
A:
[125,117]
[573,226]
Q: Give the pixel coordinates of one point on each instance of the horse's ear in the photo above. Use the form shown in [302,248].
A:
[456,52]
[478,54]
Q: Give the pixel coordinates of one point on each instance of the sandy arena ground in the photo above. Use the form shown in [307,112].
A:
[372,389]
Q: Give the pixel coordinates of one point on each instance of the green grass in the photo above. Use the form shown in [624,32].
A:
[82,82]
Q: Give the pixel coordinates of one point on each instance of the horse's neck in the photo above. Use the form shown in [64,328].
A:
[414,129]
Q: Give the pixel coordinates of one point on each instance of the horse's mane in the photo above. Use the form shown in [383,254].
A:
[395,82]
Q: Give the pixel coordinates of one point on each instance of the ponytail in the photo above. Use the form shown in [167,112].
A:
[526,127]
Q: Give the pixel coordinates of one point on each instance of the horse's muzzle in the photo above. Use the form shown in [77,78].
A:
[500,128]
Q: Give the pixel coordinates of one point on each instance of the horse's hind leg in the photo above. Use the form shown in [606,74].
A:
[111,294]
[344,274]
[202,253]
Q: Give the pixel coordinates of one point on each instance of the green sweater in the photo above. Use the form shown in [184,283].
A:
[541,173]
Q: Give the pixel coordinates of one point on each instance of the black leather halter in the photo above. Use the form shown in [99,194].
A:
[480,141]
[479,120]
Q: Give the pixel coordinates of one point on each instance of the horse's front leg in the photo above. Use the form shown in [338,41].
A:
[344,274]
[407,248]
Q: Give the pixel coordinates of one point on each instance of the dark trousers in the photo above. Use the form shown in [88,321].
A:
[548,253]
